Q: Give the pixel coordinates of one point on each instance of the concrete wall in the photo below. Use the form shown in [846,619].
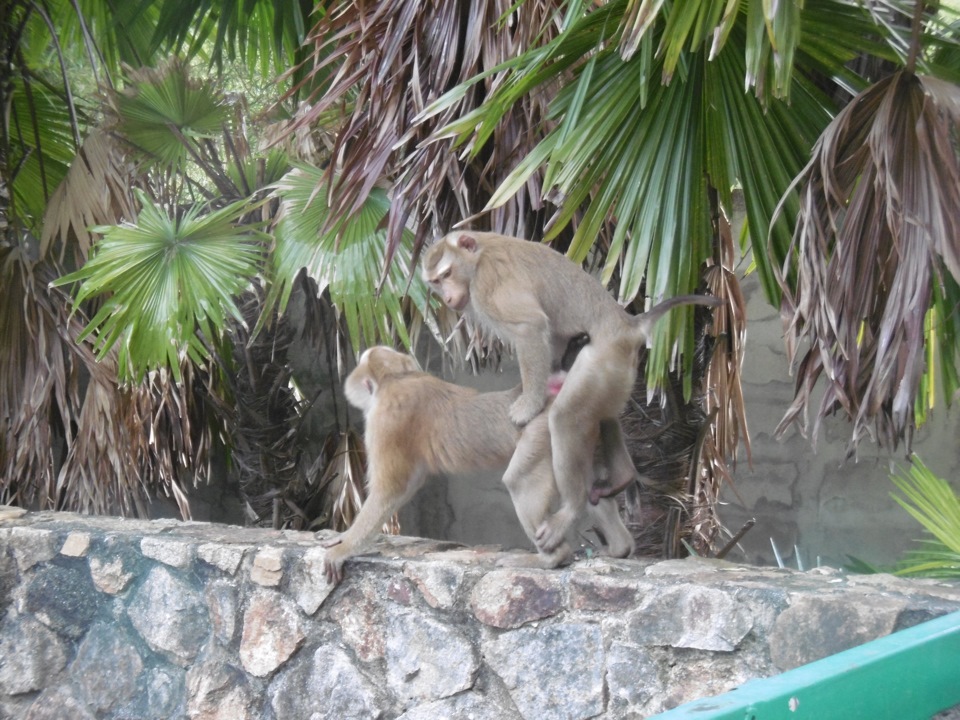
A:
[828,507]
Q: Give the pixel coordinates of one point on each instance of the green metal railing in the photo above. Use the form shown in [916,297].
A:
[911,674]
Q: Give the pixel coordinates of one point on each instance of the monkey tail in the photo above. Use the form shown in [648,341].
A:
[644,322]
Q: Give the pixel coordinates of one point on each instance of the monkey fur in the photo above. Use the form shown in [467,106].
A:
[417,425]
[537,299]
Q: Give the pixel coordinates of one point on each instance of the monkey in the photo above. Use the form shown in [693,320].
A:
[417,425]
[537,299]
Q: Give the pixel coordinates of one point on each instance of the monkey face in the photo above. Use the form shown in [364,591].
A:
[445,270]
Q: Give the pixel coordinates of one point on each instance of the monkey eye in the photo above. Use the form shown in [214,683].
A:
[445,274]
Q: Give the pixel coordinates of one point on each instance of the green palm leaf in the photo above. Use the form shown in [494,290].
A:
[162,108]
[348,259]
[170,283]
[933,503]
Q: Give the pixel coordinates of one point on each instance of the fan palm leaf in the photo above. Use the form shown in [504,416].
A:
[346,257]
[170,284]
[161,107]
[265,34]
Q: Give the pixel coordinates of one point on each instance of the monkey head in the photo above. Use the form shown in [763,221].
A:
[376,364]
[449,267]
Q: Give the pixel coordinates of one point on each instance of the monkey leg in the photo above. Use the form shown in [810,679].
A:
[616,459]
[529,479]
[379,505]
[594,392]
[606,520]
[573,448]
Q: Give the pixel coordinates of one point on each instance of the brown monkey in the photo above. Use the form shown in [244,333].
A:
[417,425]
[537,299]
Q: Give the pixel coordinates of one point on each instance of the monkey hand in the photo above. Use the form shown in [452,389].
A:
[525,408]
[553,530]
[333,566]
[336,540]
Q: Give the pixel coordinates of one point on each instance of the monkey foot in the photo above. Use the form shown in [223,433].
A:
[553,531]
[524,409]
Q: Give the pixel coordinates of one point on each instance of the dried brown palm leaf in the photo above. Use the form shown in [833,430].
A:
[96,191]
[880,219]
[343,482]
[384,63]
[71,438]
[729,331]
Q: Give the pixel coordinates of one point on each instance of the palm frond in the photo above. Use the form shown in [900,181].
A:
[381,64]
[161,109]
[41,146]
[880,219]
[171,284]
[95,191]
[936,506]
[347,257]
[265,34]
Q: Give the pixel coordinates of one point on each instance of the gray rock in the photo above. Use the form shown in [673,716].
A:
[30,545]
[170,615]
[309,584]
[488,699]
[222,602]
[77,544]
[267,568]
[109,575]
[633,679]
[815,627]
[63,599]
[218,691]
[106,668]
[162,696]
[427,660]
[172,552]
[324,685]
[8,575]
[599,592]
[510,598]
[553,671]
[439,585]
[689,616]
[359,612]
[31,655]
[224,557]
[272,631]
[58,704]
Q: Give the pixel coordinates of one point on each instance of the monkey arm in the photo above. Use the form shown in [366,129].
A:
[531,339]
[390,488]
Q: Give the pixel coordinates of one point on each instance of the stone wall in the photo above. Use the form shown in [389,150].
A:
[110,618]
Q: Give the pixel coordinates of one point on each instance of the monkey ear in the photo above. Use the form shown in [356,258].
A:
[467,242]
